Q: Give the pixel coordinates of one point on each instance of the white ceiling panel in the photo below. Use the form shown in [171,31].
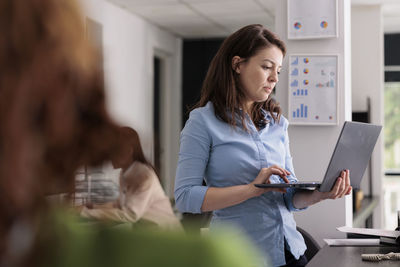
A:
[177,11]
[211,18]
[391,10]
[204,1]
[234,23]
[145,2]
[270,4]
[199,31]
[232,8]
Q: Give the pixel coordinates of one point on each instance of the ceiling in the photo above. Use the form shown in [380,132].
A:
[219,18]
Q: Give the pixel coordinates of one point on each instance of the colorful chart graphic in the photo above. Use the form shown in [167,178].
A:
[300,92]
[312,89]
[294,83]
[330,83]
[324,24]
[297,25]
[301,112]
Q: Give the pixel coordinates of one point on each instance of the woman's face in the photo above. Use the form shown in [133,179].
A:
[259,74]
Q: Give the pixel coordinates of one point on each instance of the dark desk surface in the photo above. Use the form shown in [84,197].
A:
[351,257]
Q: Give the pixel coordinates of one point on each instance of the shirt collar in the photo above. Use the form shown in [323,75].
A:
[268,116]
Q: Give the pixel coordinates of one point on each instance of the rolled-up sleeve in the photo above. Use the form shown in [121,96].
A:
[195,144]
[288,196]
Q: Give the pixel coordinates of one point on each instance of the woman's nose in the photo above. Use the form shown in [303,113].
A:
[273,77]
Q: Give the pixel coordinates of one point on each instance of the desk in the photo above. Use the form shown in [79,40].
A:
[351,257]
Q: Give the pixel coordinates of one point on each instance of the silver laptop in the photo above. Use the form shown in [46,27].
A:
[352,151]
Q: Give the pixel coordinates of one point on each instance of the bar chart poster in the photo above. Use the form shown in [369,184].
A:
[312,19]
[313,89]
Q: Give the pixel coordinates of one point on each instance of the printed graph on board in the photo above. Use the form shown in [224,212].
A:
[313,89]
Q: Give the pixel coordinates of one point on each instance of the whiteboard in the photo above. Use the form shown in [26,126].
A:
[312,19]
[313,93]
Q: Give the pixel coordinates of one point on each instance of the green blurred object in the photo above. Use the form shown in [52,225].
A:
[72,243]
[392,126]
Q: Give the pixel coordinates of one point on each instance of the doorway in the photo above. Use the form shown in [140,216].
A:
[157,61]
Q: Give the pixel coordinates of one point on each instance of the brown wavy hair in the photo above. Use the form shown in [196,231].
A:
[221,85]
[129,137]
[52,106]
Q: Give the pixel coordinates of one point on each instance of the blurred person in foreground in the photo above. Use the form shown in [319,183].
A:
[141,194]
[53,120]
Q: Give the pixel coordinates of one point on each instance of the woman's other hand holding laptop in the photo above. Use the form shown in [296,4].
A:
[341,188]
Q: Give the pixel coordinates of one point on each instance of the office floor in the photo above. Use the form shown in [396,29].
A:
[391,185]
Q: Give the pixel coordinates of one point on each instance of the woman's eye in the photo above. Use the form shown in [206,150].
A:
[266,67]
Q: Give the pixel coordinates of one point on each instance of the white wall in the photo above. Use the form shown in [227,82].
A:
[368,81]
[129,44]
[312,146]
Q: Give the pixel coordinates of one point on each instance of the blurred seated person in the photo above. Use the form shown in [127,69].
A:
[52,120]
[141,194]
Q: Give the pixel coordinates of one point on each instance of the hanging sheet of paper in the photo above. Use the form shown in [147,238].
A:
[312,19]
[313,94]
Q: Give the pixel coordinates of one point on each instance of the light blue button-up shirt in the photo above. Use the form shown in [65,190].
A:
[224,156]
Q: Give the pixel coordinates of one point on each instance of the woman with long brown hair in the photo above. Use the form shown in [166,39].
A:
[141,194]
[237,137]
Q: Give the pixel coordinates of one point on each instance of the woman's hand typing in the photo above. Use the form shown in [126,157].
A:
[222,197]
[263,178]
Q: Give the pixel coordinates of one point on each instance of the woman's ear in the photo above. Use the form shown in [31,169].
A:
[235,64]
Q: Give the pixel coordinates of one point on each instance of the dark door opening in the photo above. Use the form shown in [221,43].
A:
[156,112]
[197,56]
